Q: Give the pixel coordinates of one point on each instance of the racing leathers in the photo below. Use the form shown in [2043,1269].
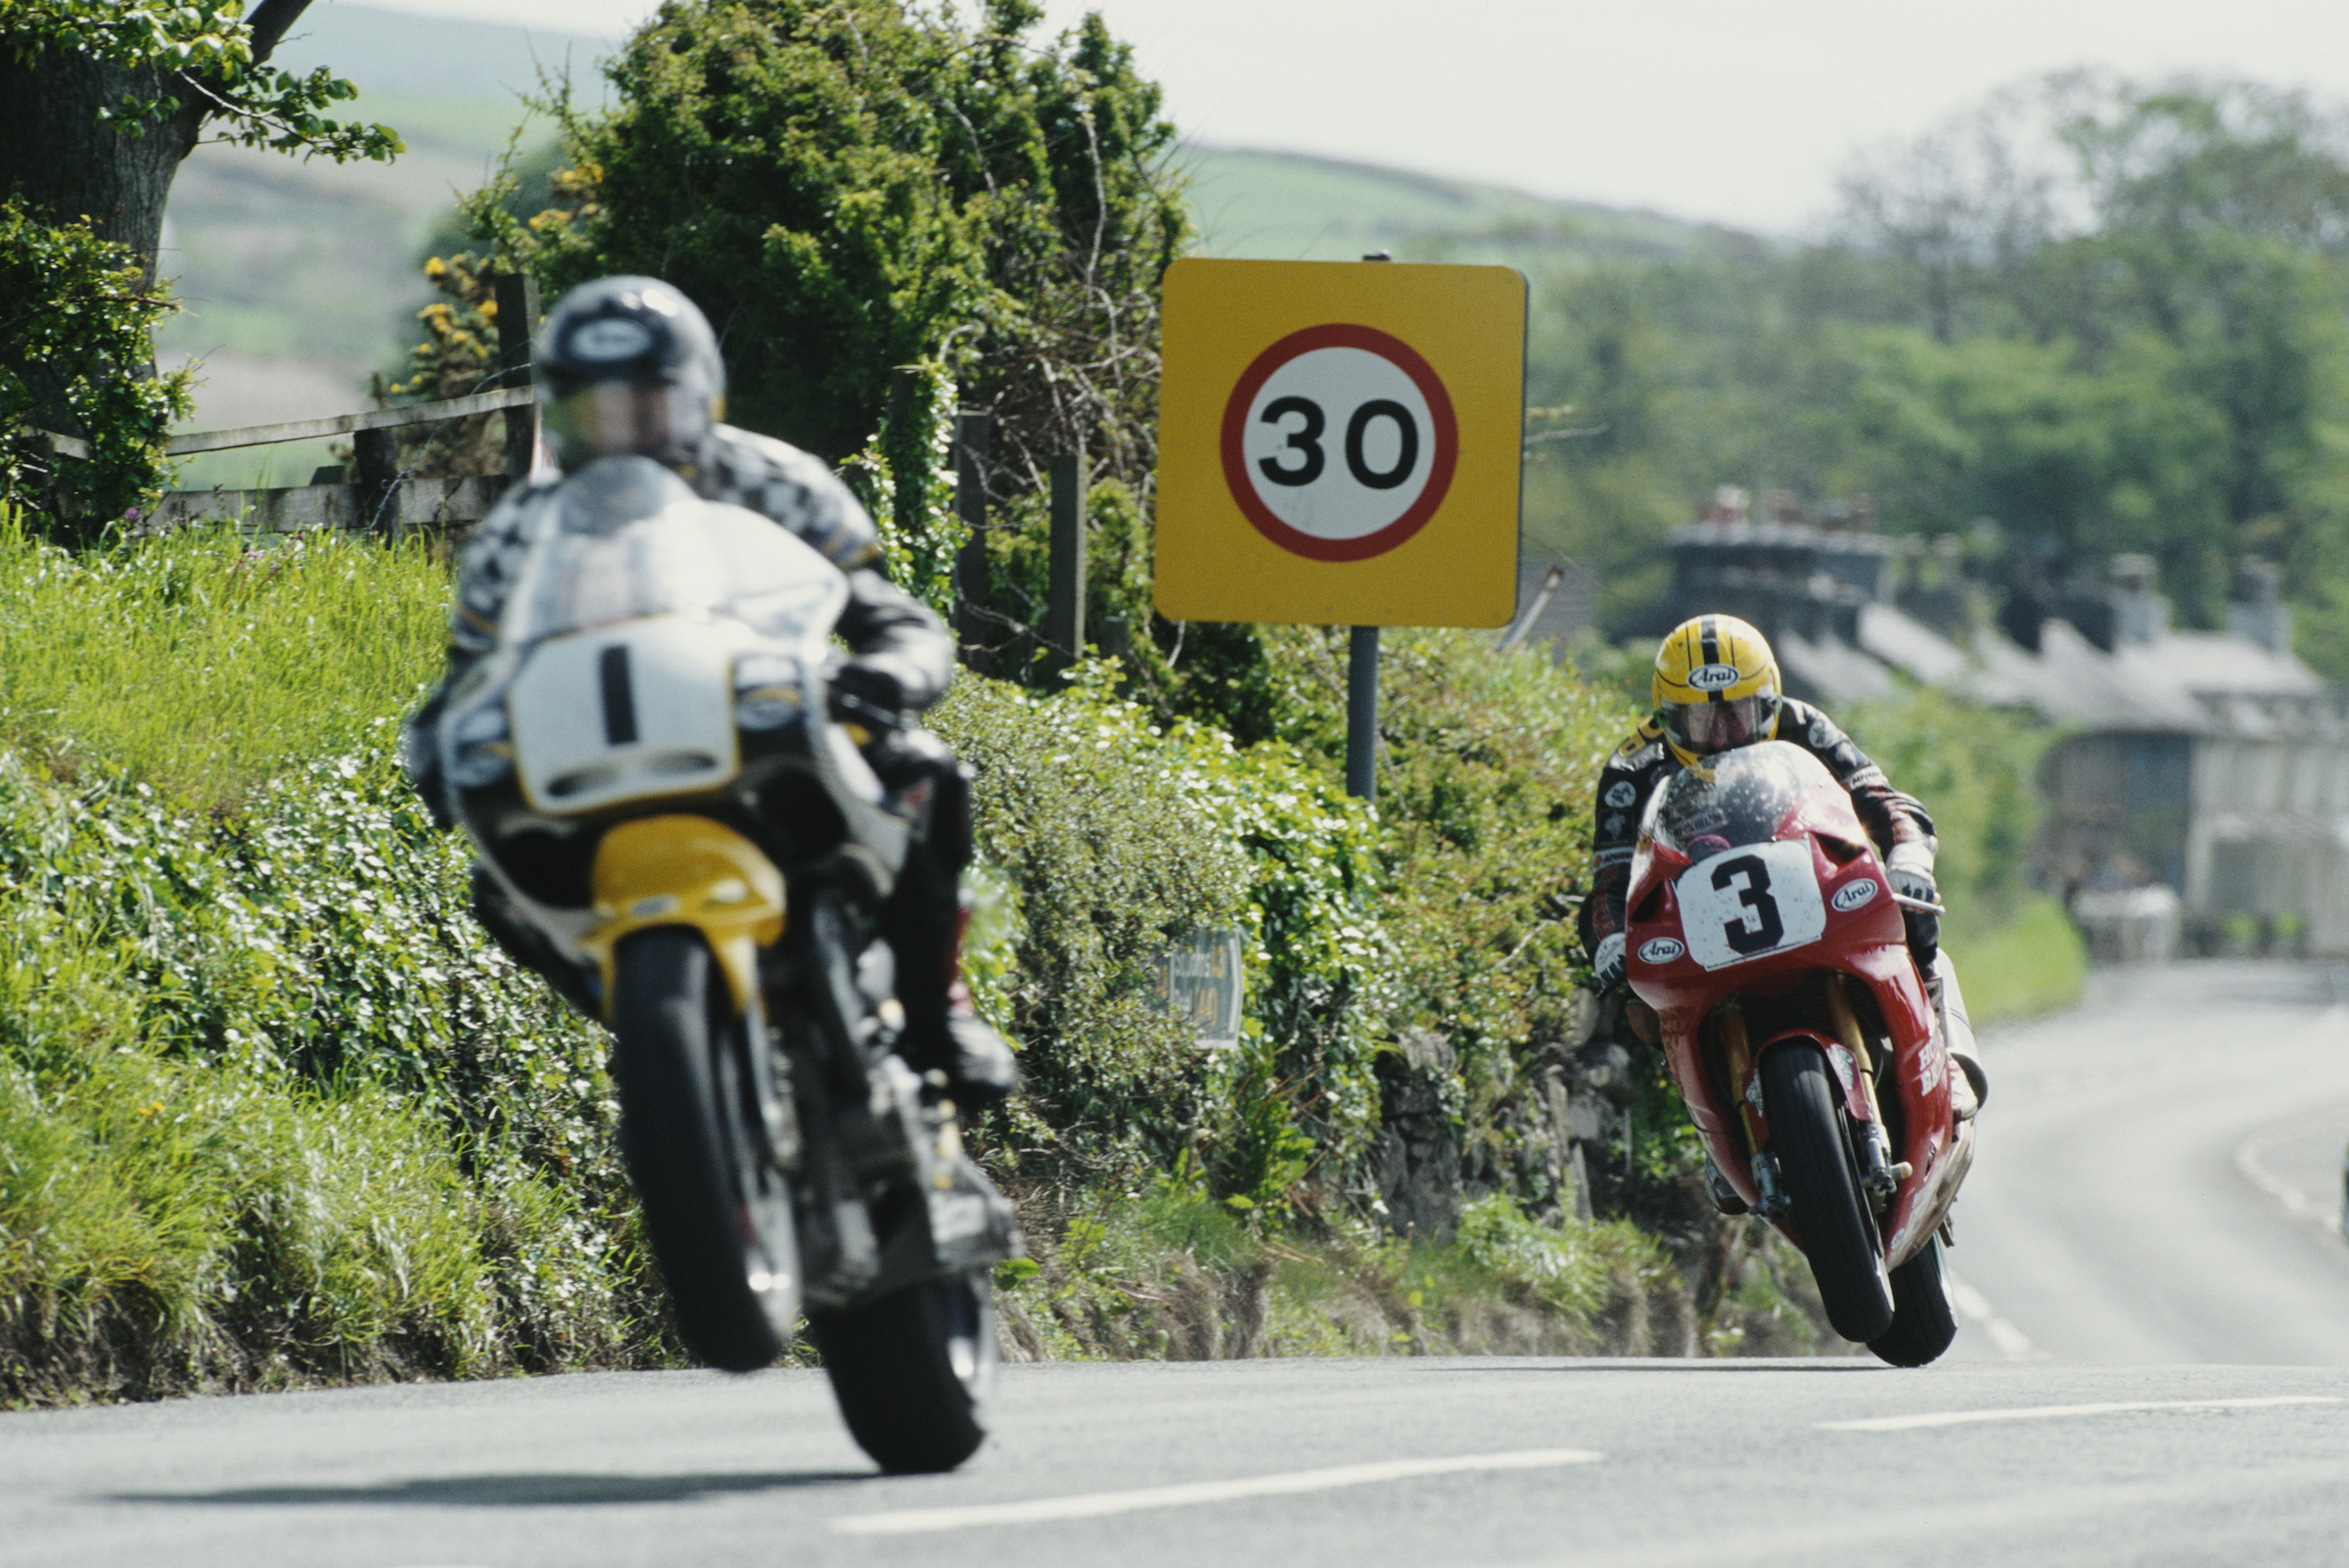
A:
[1896,822]
[901,658]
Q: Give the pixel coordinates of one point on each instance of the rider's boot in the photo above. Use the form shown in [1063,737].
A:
[1725,1197]
[1971,1085]
[925,920]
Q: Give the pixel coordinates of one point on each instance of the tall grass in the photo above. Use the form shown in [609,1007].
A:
[202,665]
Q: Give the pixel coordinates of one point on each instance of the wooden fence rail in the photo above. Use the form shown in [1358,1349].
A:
[378,498]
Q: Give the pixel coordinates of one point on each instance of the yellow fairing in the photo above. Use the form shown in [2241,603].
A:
[686,871]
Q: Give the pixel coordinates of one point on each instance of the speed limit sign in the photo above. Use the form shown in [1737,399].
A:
[1339,444]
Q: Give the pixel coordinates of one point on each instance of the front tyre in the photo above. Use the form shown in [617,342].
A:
[1806,1131]
[914,1372]
[1922,1325]
[717,1210]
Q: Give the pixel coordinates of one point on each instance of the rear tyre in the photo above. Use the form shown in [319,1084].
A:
[1806,1132]
[1922,1325]
[915,1370]
[717,1210]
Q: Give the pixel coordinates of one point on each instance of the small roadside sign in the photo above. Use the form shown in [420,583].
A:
[1339,444]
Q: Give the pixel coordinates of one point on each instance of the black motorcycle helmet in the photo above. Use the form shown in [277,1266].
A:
[627,365]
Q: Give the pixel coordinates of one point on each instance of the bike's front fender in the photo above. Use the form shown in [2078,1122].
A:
[1839,1062]
[682,870]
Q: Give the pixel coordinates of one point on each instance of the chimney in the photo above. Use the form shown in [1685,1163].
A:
[2140,613]
[2259,614]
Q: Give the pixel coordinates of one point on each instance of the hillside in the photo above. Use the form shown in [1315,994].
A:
[1253,203]
[302,278]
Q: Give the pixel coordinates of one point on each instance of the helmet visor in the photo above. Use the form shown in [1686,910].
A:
[1704,729]
[613,419]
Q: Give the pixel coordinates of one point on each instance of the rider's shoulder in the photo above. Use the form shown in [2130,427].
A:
[1641,748]
[1808,724]
[733,456]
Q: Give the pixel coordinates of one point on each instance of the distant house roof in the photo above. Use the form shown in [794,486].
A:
[1832,670]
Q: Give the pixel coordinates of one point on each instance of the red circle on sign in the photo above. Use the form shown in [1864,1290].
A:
[1441,459]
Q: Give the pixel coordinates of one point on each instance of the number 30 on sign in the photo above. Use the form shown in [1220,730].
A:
[1339,444]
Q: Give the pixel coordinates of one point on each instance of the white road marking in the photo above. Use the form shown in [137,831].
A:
[2011,1342]
[2325,1213]
[1096,1504]
[2054,1413]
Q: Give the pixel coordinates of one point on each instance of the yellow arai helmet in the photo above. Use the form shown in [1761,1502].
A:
[1715,687]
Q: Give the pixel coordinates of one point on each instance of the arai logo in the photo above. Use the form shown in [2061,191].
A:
[1713,678]
[1851,894]
[1660,951]
[613,338]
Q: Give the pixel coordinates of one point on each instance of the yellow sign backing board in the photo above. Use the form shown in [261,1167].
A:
[1339,444]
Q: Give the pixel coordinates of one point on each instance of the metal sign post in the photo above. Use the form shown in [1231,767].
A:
[1362,715]
[1339,446]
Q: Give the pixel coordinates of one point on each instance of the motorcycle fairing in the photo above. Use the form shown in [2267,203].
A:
[697,597]
[1784,810]
[625,712]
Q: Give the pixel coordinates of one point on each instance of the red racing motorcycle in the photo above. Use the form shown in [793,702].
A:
[1765,936]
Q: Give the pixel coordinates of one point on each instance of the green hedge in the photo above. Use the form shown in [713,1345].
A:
[1112,833]
[272,1110]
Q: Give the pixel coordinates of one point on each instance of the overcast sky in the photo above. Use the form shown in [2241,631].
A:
[1739,111]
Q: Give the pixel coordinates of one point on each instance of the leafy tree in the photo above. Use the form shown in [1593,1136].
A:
[849,187]
[100,102]
[101,99]
[2110,316]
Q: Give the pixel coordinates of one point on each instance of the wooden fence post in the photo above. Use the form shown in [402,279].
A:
[973,432]
[516,319]
[1064,613]
[375,464]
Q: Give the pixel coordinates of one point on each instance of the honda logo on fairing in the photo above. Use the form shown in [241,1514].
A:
[1851,894]
[1660,951]
[1713,678]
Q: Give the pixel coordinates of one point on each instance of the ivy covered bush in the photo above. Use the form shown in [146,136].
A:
[75,360]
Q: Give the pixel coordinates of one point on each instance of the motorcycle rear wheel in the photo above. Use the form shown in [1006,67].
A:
[1814,1160]
[717,1210]
[1922,1325]
[914,1372]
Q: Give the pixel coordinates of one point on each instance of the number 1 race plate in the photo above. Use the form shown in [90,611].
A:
[1760,899]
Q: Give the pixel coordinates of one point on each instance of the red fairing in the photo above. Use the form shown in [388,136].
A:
[1755,911]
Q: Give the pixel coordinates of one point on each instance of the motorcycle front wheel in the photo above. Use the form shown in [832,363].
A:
[1922,1325]
[914,1372]
[717,1210]
[1806,1132]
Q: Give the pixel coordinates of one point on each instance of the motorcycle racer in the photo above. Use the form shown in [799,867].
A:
[1715,686]
[630,365]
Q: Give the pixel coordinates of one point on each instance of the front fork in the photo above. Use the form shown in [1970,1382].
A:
[1880,1177]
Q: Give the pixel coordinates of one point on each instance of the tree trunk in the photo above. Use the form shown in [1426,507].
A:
[56,153]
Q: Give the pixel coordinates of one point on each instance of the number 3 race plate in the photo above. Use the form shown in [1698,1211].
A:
[1763,899]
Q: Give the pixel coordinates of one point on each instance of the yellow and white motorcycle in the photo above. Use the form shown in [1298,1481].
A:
[648,767]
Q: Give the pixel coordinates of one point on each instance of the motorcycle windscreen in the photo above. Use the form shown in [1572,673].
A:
[1741,797]
[1748,894]
[626,539]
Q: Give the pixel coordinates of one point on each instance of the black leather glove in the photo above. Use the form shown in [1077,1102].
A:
[867,694]
[1911,877]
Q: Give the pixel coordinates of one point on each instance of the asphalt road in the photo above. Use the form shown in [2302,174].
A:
[2155,1377]
[2159,1174]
